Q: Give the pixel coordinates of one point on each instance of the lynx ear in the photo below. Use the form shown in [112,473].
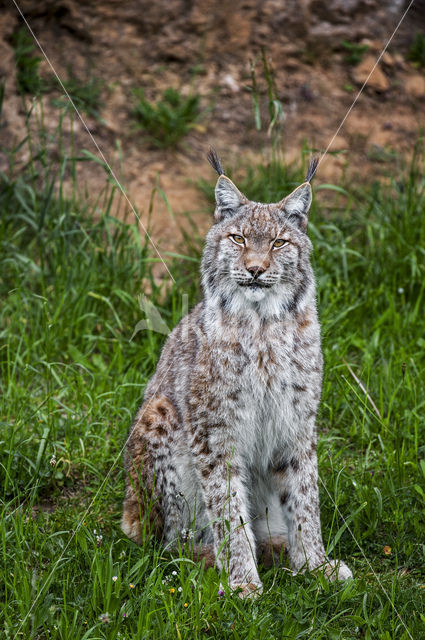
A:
[228,198]
[297,204]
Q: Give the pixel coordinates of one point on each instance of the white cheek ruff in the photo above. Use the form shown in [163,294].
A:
[255,295]
[264,302]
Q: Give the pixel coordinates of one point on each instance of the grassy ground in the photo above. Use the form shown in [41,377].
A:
[71,380]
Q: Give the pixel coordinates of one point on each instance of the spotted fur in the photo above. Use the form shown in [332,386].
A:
[224,444]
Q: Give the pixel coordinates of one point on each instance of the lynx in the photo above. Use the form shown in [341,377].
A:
[224,446]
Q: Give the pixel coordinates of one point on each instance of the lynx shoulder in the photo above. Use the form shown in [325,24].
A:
[227,428]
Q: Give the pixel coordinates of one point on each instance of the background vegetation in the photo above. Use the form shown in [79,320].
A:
[71,380]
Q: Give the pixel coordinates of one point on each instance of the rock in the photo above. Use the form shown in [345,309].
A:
[415,86]
[377,81]
[373,45]
[400,61]
[388,60]
[230,82]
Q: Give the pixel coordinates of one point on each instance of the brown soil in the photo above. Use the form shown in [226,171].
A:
[207,47]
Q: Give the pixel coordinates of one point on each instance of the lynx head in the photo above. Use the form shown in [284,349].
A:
[257,255]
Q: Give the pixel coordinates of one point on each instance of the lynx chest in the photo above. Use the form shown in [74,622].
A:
[278,390]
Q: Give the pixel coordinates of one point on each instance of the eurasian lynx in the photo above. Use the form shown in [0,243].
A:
[224,445]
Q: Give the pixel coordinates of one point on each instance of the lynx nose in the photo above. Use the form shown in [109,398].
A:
[255,271]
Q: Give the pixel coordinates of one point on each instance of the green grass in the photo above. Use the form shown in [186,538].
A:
[354,51]
[71,381]
[416,52]
[167,121]
[86,94]
[28,78]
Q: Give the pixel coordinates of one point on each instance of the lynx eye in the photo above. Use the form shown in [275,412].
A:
[237,239]
[279,243]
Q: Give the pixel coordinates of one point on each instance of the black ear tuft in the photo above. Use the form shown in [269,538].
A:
[312,168]
[214,161]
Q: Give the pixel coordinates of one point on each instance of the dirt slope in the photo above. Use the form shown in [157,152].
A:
[208,47]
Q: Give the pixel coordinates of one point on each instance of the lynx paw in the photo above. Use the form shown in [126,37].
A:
[336,570]
[131,527]
[248,590]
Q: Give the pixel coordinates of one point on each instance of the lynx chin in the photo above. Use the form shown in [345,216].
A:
[222,452]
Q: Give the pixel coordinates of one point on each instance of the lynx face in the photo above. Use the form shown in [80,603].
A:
[258,253]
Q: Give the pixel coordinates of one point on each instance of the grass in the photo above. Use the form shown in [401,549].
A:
[27,74]
[167,121]
[71,381]
[85,94]
[354,52]
[416,52]
[275,111]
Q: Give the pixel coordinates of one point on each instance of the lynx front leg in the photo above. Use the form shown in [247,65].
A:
[227,512]
[299,497]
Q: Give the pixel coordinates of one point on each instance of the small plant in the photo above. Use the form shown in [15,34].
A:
[275,107]
[417,50]
[376,153]
[85,94]
[2,85]
[167,121]
[355,52]
[27,75]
